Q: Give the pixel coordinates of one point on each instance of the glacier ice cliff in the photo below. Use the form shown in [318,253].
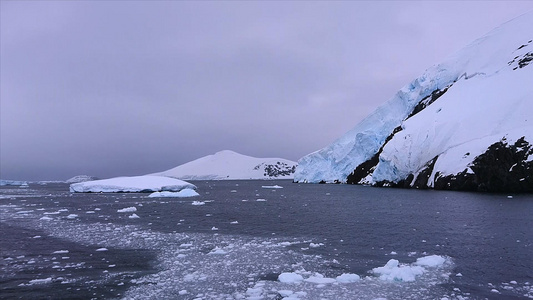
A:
[465,124]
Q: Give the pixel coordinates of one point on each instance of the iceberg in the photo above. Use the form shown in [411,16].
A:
[135,184]
[181,194]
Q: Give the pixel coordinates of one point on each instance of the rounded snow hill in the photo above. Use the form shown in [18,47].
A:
[136,184]
[230,165]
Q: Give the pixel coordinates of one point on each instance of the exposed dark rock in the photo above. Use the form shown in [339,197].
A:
[525,60]
[277,170]
[521,61]
[428,100]
[421,181]
[367,167]
[502,168]
[463,181]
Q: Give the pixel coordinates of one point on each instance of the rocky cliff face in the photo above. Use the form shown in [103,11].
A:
[464,124]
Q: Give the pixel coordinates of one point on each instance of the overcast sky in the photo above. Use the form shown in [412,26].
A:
[111,88]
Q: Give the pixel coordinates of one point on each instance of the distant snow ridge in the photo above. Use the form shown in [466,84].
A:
[12,182]
[232,166]
[81,178]
[465,124]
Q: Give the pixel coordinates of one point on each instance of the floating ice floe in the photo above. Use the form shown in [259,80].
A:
[348,278]
[40,281]
[272,187]
[198,203]
[290,277]
[134,216]
[394,271]
[133,184]
[181,194]
[315,245]
[127,209]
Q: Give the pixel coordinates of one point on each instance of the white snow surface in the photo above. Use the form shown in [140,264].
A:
[230,165]
[185,193]
[488,100]
[81,178]
[132,184]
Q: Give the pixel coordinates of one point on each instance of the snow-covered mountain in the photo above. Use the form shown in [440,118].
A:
[465,124]
[231,165]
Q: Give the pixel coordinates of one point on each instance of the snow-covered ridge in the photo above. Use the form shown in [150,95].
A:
[439,129]
[4,182]
[81,178]
[230,165]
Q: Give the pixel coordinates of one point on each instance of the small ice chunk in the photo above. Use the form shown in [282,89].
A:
[393,253]
[217,251]
[45,218]
[272,187]
[234,222]
[101,249]
[182,292]
[134,216]
[198,203]
[320,279]
[348,278]
[260,200]
[285,293]
[430,261]
[313,245]
[185,193]
[127,209]
[40,281]
[290,277]
[392,271]
[214,228]
[72,216]
[60,252]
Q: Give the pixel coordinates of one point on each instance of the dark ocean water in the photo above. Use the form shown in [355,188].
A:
[241,236]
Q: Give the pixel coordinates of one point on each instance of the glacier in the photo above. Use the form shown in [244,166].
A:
[446,125]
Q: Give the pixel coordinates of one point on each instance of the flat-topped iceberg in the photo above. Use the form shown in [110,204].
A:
[135,184]
[185,193]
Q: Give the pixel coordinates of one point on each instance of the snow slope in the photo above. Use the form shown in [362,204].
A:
[458,122]
[81,178]
[132,185]
[231,165]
